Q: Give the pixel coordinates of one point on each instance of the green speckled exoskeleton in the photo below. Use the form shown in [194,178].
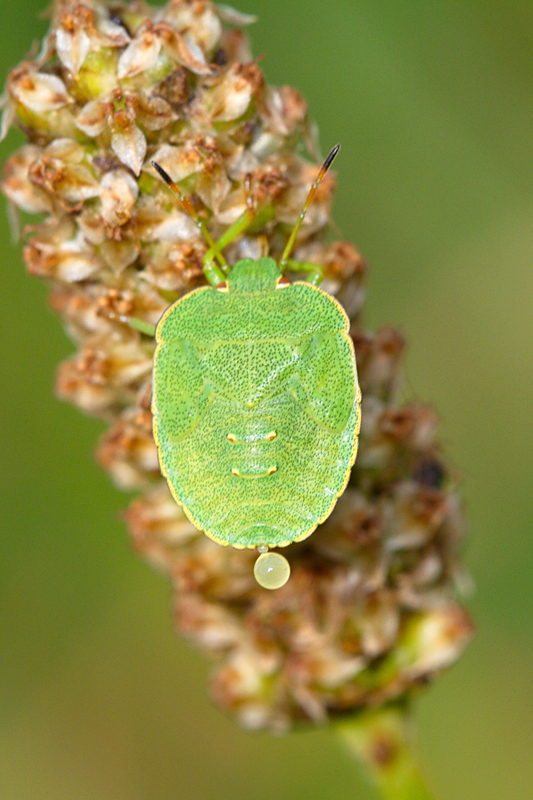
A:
[256,404]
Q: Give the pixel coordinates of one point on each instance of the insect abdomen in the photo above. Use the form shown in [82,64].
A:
[311,469]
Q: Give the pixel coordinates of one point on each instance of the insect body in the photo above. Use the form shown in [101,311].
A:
[256,406]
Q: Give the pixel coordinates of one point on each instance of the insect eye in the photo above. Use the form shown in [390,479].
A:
[223,287]
[282,283]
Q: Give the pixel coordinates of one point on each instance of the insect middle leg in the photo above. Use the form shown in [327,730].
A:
[109,311]
[139,325]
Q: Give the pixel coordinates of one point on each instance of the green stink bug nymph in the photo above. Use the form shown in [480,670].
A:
[256,404]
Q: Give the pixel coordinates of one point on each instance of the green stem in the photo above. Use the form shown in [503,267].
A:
[380,742]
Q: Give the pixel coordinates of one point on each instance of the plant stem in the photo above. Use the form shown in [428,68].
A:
[379,739]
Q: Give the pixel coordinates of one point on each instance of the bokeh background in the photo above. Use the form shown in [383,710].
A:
[100,700]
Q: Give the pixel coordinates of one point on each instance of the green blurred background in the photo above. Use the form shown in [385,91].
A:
[432,102]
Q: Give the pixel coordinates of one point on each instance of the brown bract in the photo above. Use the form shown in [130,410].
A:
[370,612]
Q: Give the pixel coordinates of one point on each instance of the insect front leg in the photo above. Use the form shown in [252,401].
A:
[240,226]
[212,271]
[315,272]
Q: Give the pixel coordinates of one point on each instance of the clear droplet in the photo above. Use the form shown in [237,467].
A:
[262,549]
[271,570]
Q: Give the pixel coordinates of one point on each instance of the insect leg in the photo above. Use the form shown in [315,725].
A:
[240,225]
[211,270]
[315,272]
[133,322]
[139,325]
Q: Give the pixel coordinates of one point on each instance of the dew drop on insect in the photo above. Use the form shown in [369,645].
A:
[271,570]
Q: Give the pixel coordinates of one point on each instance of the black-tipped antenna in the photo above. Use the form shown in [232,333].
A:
[191,211]
[163,174]
[310,197]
